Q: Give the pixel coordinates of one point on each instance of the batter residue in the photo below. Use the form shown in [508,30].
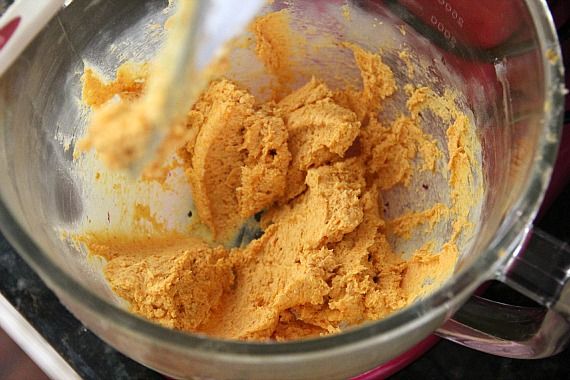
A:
[312,166]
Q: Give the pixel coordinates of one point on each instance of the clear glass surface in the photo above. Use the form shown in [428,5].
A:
[513,86]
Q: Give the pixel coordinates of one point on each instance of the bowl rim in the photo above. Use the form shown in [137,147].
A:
[460,285]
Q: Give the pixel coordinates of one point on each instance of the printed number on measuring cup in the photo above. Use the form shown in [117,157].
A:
[454,14]
[440,26]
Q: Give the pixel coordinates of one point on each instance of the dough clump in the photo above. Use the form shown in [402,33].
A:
[312,165]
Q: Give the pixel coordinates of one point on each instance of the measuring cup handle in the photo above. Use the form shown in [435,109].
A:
[540,269]
[20,24]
